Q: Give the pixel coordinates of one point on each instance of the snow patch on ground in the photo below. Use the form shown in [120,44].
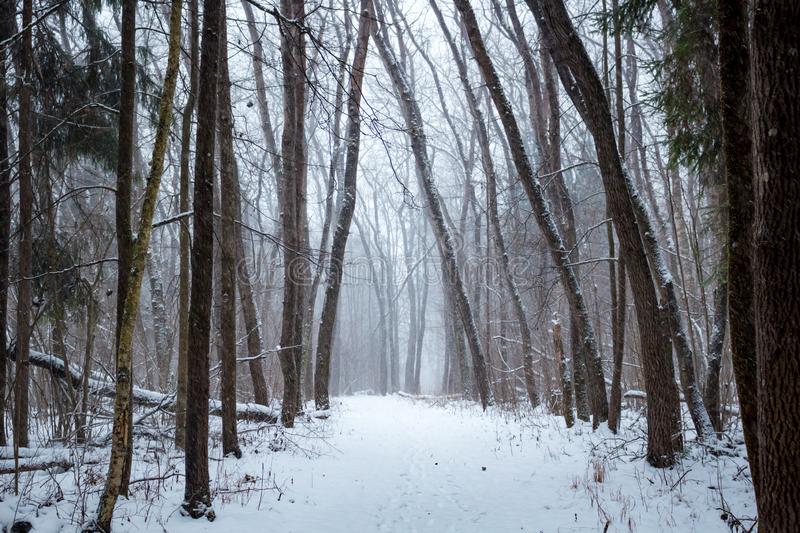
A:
[395,464]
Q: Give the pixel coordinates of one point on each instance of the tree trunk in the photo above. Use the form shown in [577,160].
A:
[414,123]
[346,209]
[735,76]
[714,358]
[411,347]
[619,311]
[566,379]
[185,236]
[121,442]
[229,193]
[24,294]
[249,311]
[125,177]
[158,309]
[581,82]
[308,332]
[292,202]
[776,137]
[99,386]
[197,496]
[420,337]
[7,9]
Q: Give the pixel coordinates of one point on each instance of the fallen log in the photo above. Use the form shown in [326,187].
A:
[142,397]
[33,459]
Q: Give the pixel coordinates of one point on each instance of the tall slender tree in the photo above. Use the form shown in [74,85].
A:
[346,208]
[24,293]
[453,279]
[229,192]
[580,80]
[6,30]
[292,202]
[185,235]
[737,145]
[197,495]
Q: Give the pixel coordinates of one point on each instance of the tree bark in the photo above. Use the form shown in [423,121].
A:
[292,202]
[125,172]
[566,379]
[346,209]
[776,254]
[24,294]
[185,235]
[714,357]
[229,193]
[7,9]
[158,308]
[737,144]
[197,496]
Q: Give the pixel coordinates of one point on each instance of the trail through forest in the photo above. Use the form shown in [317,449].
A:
[397,464]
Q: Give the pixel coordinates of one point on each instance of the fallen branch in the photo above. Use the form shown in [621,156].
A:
[142,397]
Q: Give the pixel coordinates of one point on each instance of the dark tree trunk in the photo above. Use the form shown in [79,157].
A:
[229,192]
[197,496]
[775,35]
[581,82]
[249,311]
[292,203]
[6,30]
[185,235]
[619,313]
[125,175]
[734,59]
[346,209]
[24,294]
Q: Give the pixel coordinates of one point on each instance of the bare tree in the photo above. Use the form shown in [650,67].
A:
[197,496]
[185,237]
[229,193]
[453,281]
[536,197]
[346,209]
[494,220]
[24,294]
[6,30]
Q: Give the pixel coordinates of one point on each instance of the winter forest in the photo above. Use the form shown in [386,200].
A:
[399,265]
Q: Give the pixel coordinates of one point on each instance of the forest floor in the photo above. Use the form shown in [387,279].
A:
[396,464]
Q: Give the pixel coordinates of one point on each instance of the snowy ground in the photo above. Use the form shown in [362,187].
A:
[400,465]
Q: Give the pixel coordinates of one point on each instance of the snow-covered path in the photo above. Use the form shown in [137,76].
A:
[399,465]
